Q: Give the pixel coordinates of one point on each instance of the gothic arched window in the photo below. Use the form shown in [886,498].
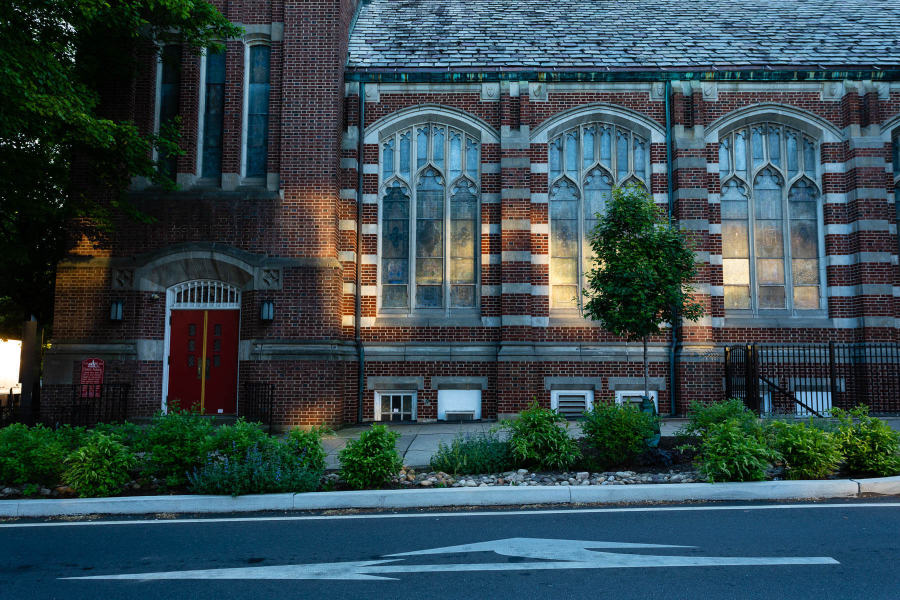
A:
[430,219]
[770,219]
[895,160]
[584,165]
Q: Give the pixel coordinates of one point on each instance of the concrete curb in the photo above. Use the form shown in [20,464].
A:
[486,496]
[884,486]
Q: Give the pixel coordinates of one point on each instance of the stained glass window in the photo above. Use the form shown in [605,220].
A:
[258,111]
[770,219]
[430,219]
[585,163]
[213,114]
[170,100]
[895,160]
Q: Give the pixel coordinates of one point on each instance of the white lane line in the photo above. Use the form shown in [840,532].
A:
[499,513]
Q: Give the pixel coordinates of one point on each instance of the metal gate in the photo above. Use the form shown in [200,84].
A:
[813,379]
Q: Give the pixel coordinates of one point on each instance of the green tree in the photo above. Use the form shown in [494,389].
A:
[641,270]
[61,149]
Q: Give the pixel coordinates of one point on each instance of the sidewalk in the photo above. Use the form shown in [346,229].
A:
[419,441]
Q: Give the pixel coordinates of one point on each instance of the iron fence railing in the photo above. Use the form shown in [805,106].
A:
[812,379]
[256,402]
[90,404]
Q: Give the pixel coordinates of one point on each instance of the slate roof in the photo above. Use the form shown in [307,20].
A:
[624,34]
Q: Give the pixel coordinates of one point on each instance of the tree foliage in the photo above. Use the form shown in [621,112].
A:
[641,269]
[57,59]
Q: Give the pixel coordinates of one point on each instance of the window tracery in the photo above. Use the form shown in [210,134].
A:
[429,219]
[770,219]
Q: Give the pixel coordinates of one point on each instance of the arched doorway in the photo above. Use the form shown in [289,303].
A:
[202,337]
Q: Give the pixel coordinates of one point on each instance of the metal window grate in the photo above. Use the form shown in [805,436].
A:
[206,294]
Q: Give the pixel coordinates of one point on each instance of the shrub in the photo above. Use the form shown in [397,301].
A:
[129,434]
[870,445]
[306,445]
[536,439]
[617,432]
[372,459]
[808,452]
[728,453]
[177,442]
[470,454]
[32,455]
[260,470]
[72,438]
[235,440]
[100,467]
[703,416]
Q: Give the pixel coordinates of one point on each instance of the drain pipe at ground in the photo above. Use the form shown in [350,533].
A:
[670,187]
[359,211]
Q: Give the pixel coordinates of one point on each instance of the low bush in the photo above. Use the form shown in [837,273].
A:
[807,452]
[538,440]
[703,416]
[129,434]
[260,470]
[471,454]
[372,459]
[617,433]
[869,445]
[235,440]
[100,467]
[306,445]
[32,455]
[728,452]
[176,442]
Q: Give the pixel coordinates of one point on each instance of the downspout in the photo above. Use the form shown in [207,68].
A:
[359,211]
[670,187]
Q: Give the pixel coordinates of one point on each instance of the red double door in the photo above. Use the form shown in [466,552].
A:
[203,359]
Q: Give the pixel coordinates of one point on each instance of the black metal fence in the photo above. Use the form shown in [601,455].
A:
[256,401]
[812,379]
[90,404]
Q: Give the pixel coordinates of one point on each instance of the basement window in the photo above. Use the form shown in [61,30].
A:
[395,406]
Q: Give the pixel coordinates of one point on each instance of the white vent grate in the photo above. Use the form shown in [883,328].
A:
[572,405]
[205,294]
[459,415]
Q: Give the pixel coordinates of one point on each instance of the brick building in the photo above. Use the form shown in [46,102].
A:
[434,235]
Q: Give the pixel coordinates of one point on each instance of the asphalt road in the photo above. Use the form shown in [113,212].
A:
[838,549]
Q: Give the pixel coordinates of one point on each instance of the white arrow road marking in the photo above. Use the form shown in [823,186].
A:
[574,550]
[568,554]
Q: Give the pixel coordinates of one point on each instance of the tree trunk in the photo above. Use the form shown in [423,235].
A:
[646,370]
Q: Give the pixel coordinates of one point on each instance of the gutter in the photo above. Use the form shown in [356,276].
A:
[761,73]
[359,198]
[670,188]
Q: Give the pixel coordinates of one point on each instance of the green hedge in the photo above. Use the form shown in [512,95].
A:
[180,448]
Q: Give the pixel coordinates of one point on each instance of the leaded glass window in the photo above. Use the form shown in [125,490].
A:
[895,160]
[170,100]
[430,219]
[584,164]
[770,219]
[258,111]
[213,114]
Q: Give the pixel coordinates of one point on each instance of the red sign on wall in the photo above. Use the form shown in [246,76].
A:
[91,377]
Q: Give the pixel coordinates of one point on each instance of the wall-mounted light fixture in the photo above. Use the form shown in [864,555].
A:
[115,310]
[267,311]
